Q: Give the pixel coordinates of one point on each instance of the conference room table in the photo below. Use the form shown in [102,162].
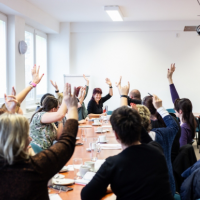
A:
[81,152]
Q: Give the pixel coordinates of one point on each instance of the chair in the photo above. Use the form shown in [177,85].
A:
[171,110]
[177,197]
[36,148]
[109,112]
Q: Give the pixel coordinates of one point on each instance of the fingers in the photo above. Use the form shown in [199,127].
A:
[5,97]
[11,96]
[38,70]
[34,69]
[70,90]
[13,91]
[41,77]
[74,93]
[120,79]
[128,85]
[13,100]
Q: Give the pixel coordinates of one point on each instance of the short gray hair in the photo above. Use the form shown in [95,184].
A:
[14,133]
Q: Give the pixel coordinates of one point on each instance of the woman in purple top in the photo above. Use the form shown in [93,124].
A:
[183,109]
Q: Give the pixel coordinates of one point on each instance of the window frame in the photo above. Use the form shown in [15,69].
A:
[35,32]
[4,19]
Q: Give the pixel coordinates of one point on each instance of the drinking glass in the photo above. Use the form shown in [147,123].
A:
[98,149]
[93,147]
[84,135]
[77,162]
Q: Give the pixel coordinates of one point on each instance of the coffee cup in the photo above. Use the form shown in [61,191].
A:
[96,121]
[84,169]
[99,129]
[102,138]
[90,164]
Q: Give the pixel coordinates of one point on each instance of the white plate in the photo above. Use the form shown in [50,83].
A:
[88,149]
[59,176]
[64,169]
[104,131]
[64,181]
[99,124]
[104,141]
[77,138]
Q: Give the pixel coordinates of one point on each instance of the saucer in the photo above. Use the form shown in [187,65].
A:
[104,141]
[64,181]
[77,138]
[104,131]
[99,124]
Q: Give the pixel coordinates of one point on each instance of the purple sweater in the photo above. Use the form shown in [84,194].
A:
[186,132]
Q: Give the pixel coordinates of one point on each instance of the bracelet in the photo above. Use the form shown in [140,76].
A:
[110,86]
[124,96]
[32,84]
[57,91]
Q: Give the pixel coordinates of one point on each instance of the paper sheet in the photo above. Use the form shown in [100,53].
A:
[111,146]
[85,126]
[54,197]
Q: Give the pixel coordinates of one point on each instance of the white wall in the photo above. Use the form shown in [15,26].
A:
[58,56]
[142,56]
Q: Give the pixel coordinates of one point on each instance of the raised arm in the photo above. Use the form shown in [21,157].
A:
[60,153]
[172,127]
[87,85]
[124,94]
[50,117]
[35,80]
[110,86]
[56,87]
[173,91]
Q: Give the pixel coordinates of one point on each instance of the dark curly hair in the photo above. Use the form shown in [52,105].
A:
[126,122]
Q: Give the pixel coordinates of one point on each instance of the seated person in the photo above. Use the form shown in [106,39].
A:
[183,110]
[95,105]
[164,136]
[27,176]
[139,171]
[158,122]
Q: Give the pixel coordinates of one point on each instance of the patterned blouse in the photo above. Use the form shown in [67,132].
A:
[42,135]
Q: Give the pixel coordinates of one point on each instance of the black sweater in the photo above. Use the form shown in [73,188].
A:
[27,179]
[139,172]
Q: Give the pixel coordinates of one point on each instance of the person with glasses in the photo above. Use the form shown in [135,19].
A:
[183,110]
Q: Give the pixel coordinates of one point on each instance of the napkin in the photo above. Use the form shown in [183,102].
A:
[70,167]
[111,146]
[86,178]
[54,197]
[85,126]
[107,126]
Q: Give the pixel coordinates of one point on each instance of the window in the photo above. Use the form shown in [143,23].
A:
[41,60]
[36,54]
[3,73]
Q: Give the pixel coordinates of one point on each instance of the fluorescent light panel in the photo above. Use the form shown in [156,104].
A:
[114,13]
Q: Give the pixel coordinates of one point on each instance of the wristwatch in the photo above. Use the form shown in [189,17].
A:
[33,84]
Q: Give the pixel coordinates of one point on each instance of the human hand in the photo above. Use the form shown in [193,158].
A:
[133,106]
[54,85]
[11,101]
[108,82]
[35,74]
[157,102]
[83,121]
[103,114]
[87,80]
[125,89]
[70,99]
[171,71]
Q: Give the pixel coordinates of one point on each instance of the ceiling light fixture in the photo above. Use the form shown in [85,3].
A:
[114,13]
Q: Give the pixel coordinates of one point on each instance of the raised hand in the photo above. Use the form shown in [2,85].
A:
[70,99]
[87,80]
[157,102]
[54,85]
[125,89]
[171,71]
[11,101]
[118,84]
[108,82]
[35,74]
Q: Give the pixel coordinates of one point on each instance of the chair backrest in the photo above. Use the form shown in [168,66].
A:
[36,148]
[171,110]
[109,112]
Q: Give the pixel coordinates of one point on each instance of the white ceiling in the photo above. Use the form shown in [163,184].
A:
[133,10]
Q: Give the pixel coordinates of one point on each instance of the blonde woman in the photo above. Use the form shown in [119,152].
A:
[27,176]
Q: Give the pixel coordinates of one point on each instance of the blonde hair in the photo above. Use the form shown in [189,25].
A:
[145,115]
[60,98]
[14,133]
